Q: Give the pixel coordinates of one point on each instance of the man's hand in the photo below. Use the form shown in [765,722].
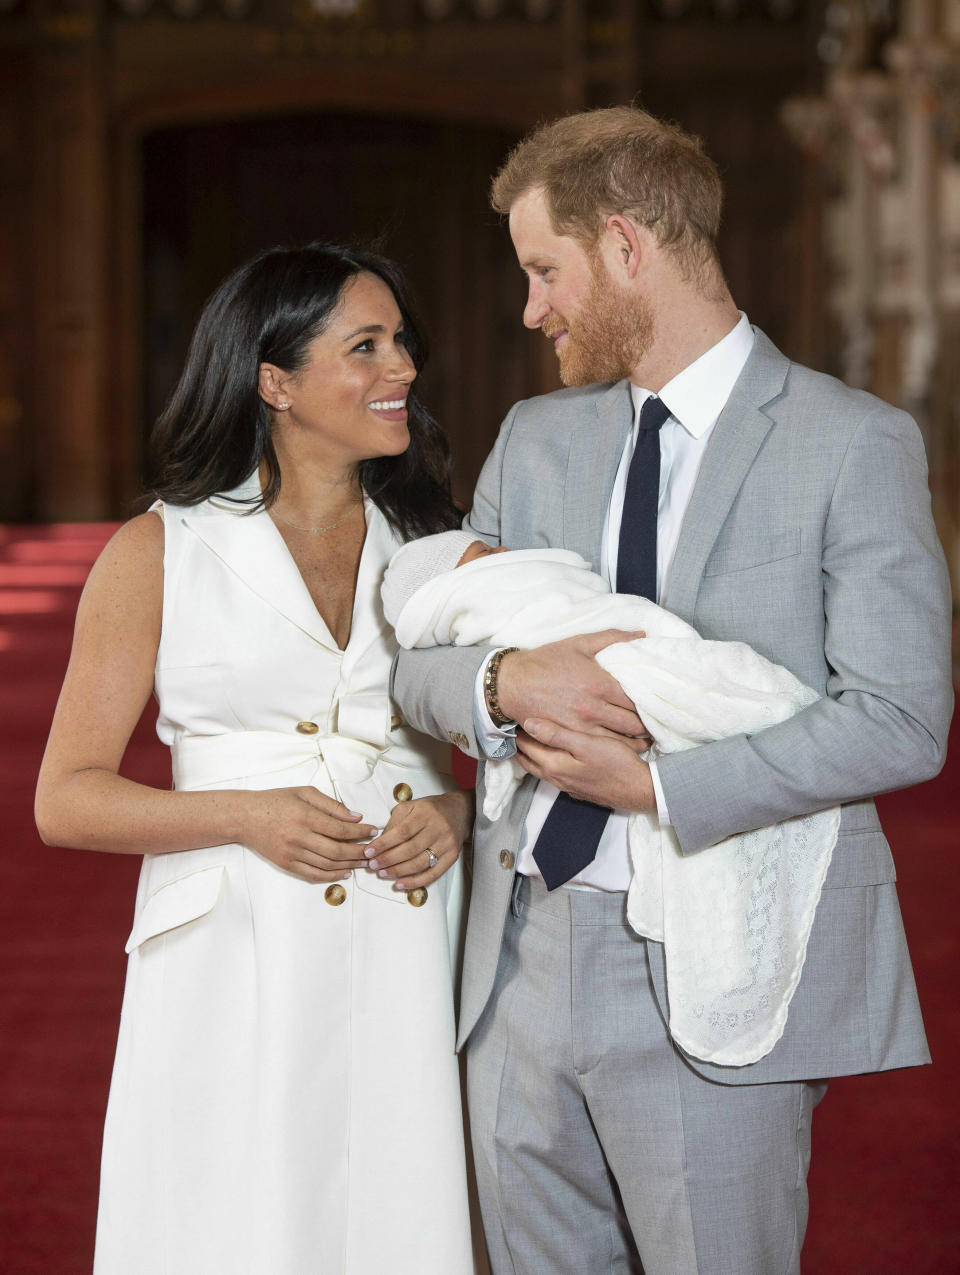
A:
[601,768]
[563,683]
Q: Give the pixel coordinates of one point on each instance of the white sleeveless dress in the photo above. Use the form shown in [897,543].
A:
[285,1097]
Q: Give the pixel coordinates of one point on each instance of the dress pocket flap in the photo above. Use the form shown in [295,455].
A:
[175,903]
[382,888]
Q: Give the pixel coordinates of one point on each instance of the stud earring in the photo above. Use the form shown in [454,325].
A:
[282,407]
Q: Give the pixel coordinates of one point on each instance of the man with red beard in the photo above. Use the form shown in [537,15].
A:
[691,462]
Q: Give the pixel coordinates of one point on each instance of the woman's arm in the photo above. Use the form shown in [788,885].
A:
[81,799]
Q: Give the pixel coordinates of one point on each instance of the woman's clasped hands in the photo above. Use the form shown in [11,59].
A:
[318,838]
[422,839]
[304,832]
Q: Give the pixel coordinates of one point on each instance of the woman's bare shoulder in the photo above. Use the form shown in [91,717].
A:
[130,566]
[138,541]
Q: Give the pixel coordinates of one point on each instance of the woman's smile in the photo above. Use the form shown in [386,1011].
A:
[394,409]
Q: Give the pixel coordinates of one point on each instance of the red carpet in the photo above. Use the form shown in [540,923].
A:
[884,1195]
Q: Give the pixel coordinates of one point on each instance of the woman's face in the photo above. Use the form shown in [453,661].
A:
[351,396]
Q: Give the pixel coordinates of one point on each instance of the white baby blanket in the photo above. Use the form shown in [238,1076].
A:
[735,918]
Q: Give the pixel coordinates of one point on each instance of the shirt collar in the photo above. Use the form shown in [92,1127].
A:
[697,395]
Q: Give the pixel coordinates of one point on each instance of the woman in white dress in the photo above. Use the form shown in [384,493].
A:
[285,1097]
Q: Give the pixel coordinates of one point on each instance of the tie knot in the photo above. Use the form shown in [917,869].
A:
[653,413]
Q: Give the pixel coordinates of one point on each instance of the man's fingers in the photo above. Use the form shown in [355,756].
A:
[531,766]
[551,734]
[604,695]
[618,721]
[543,759]
[635,735]
[591,643]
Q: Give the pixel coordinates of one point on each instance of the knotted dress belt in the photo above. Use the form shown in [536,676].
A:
[203,760]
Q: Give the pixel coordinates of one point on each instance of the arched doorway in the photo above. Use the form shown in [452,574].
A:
[214,193]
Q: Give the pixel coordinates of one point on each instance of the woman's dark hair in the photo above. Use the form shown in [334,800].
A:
[215,430]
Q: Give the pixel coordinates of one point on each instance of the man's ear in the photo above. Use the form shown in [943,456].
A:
[622,245]
[273,383]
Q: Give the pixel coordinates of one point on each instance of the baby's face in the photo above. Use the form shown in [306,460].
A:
[479,550]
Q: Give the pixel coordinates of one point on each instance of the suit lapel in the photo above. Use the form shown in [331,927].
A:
[595,453]
[737,438]
[251,546]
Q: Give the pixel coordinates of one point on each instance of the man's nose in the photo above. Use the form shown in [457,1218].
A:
[536,309]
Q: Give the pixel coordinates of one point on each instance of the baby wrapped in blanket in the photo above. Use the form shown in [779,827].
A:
[735,918]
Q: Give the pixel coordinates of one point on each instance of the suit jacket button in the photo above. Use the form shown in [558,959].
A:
[506,859]
[457,737]
[307,728]
[417,898]
[402,792]
[335,895]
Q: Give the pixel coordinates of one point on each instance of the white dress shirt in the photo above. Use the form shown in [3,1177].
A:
[695,397]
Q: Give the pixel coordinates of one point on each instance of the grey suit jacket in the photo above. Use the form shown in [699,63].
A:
[808,535]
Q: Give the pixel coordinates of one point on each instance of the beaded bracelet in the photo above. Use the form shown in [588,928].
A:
[490,677]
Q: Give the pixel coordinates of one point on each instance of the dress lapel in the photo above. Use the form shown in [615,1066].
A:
[368,622]
[594,456]
[732,449]
[251,546]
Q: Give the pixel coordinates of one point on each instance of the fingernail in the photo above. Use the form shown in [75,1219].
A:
[373,864]
[399,885]
[347,876]
[382,872]
[369,853]
[531,726]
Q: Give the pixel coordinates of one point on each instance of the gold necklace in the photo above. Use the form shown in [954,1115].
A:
[313,531]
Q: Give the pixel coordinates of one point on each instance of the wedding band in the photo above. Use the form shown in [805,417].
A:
[431,859]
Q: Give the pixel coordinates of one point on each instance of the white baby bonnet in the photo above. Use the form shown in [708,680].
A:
[418,562]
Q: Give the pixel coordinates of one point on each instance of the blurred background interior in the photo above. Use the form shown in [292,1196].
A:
[148,146]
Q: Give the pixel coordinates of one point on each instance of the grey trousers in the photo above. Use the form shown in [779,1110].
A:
[598,1148]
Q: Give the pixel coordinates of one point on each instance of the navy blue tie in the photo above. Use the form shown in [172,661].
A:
[572,830]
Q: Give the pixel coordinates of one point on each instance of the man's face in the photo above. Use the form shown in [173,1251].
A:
[599,329]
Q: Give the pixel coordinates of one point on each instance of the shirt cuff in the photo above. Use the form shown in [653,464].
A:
[662,812]
[494,742]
